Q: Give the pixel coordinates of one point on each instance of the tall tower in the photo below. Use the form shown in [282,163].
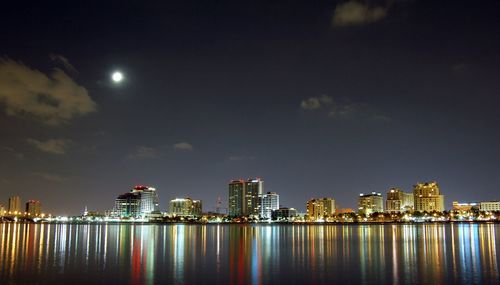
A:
[14,204]
[244,197]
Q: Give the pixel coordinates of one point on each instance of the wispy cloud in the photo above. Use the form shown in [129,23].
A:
[183,146]
[50,176]
[12,151]
[353,13]
[144,152]
[62,60]
[342,110]
[240,157]
[53,99]
[54,146]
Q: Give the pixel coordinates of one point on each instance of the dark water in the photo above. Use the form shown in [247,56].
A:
[249,254]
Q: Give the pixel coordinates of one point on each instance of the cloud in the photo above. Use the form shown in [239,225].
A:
[53,99]
[50,176]
[240,158]
[354,13]
[59,59]
[314,103]
[183,146]
[54,146]
[12,151]
[342,110]
[144,152]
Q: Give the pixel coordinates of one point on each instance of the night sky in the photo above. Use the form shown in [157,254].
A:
[318,98]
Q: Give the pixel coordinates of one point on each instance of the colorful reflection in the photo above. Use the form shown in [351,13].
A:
[248,254]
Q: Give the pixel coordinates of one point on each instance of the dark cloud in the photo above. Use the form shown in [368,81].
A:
[53,99]
[240,158]
[54,146]
[51,177]
[12,151]
[63,61]
[354,13]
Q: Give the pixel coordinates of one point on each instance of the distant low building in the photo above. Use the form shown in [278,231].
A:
[34,208]
[428,197]
[185,207]
[489,206]
[344,211]
[284,214]
[464,206]
[370,203]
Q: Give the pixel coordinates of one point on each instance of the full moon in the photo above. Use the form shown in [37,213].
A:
[117,76]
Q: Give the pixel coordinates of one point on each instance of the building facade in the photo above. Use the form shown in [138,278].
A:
[284,214]
[33,208]
[370,203]
[464,207]
[244,197]
[268,203]
[489,206]
[318,209]
[185,207]
[398,201]
[428,197]
[138,203]
[15,204]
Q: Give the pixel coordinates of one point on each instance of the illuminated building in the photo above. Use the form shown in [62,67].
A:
[2,211]
[138,203]
[244,197]
[428,197]
[284,214]
[370,203]
[14,204]
[398,201]
[464,206]
[185,207]
[268,203]
[489,206]
[344,211]
[34,208]
[318,209]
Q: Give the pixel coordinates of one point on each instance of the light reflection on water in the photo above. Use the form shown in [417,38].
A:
[248,254]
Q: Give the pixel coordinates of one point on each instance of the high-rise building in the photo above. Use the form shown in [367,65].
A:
[317,209]
[370,203]
[2,211]
[244,197]
[489,206]
[138,203]
[185,207]
[34,208]
[428,197]
[15,204]
[268,203]
[398,201]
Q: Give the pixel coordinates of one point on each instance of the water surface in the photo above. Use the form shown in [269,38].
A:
[248,254]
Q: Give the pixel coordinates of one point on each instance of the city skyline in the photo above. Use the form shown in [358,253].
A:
[300,93]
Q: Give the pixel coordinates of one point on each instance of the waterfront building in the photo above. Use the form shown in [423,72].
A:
[370,203]
[464,207]
[398,201]
[244,197]
[318,209]
[268,203]
[34,208]
[2,211]
[140,202]
[15,205]
[344,211]
[428,197]
[489,206]
[284,214]
[185,207]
